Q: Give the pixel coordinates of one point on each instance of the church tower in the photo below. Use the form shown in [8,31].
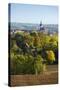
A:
[41,26]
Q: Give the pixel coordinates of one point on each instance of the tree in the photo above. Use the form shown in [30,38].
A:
[44,39]
[36,41]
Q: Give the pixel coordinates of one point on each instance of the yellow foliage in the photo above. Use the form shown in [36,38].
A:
[50,55]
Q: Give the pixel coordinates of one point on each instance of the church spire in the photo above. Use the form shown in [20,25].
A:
[41,26]
[40,23]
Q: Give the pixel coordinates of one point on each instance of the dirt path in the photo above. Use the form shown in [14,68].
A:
[52,67]
[20,80]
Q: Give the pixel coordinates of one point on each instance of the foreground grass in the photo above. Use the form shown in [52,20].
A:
[48,77]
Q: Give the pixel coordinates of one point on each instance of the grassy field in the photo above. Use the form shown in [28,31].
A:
[48,77]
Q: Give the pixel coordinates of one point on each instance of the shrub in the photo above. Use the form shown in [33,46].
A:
[26,64]
[50,56]
[38,64]
[22,64]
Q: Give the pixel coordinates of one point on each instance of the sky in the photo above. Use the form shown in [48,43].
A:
[27,13]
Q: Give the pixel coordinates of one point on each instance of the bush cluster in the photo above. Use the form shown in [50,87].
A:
[29,52]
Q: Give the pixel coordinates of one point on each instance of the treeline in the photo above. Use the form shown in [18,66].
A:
[30,52]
